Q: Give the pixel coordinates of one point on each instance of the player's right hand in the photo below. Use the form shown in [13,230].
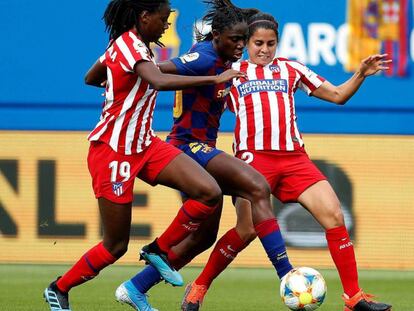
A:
[229,75]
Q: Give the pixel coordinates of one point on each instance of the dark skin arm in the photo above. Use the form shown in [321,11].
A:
[96,76]
[165,82]
[168,67]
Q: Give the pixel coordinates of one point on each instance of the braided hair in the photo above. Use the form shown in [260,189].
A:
[262,20]
[122,15]
[222,14]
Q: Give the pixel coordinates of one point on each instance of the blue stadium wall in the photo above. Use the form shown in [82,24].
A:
[48,46]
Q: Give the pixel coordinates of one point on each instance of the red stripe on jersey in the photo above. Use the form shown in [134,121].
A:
[267,124]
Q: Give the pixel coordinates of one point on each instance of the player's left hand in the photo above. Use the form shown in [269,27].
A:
[374,63]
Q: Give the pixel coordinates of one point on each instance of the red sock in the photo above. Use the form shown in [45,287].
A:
[188,219]
[223,254]
[177,262]
[342,252]
[87,267]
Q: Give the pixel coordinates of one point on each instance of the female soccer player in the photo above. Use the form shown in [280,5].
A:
[123,145]
[197,114]
[267,138]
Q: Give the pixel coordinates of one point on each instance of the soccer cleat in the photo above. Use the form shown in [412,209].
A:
[193,297]
[160,262]
[363,302]
[57,300]
[129,294]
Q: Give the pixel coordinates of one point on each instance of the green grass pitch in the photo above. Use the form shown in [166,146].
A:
[21,288]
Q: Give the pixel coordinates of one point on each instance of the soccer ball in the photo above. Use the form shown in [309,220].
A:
[303,289]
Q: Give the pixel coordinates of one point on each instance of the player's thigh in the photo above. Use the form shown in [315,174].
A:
[321,201]
[186,175]
[235,177]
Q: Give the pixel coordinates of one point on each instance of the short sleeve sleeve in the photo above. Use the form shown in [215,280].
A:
[133,50]
[309,80]
[194,63]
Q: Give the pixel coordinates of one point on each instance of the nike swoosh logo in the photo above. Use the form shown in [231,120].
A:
[230,249]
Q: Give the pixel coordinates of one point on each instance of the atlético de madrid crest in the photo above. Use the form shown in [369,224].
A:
[274,68]
[117,188]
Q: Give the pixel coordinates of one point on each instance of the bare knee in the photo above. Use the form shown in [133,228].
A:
[209,194]
[259,189]
[248,235]
[116,248]
[336,215]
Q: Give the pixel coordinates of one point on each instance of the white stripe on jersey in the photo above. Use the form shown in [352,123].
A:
[104,119]
[127,104]
[144,122]
[258,113]
[127,53]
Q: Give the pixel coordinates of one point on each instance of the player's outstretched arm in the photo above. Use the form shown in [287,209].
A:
[149,72]
[342,93]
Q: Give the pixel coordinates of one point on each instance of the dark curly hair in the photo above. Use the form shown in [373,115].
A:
[121,15]
[221,15]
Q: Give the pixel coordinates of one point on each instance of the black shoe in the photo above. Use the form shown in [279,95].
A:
[363,302]
[57,300]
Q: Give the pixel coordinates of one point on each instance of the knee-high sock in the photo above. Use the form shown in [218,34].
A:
[188,219]
[87,267]
[269,234]
[343,255]
[223,254]
[149,276]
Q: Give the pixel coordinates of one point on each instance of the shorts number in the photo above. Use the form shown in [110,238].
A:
[247,157]
[124,170]
[178,104]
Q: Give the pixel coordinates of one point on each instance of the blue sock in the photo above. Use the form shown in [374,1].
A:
[146,279]
[269,234]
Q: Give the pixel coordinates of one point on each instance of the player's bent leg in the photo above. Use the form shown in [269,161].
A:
[322,202]
[186,175]
[127,293]
[237,178]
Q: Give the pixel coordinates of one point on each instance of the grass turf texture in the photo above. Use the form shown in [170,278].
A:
[21,288]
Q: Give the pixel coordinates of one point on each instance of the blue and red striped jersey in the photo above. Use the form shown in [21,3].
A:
[197,110]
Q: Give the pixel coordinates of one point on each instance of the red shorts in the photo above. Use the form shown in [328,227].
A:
[288,173]
[113,174]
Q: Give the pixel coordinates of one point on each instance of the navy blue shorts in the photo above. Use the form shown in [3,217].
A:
[199,152]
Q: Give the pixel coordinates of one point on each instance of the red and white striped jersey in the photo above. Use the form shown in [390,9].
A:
[265,107]
[126,120]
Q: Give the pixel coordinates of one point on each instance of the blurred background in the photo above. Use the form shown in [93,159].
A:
[48,213]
